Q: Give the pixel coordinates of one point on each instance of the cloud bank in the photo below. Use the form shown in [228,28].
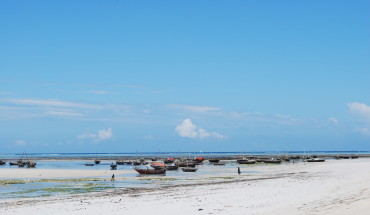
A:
[100,136]
[360,109]
[187,129]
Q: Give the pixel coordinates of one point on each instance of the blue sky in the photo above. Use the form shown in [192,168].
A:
[126,76]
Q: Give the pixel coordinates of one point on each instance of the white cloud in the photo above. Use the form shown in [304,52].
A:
[20,143]
[192,108]
[333,120]
[62,113]
[365,131]
[187,129]
[100,136]
[102,92]
[52,103]
[360,109]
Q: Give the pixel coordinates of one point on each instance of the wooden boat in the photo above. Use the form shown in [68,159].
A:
[172,167]
[154,159]
[156,165]
[31,164]
[2,162]
[169,160]
[189,169]
[97,161]
[199,159]
[186,164]
[136,163]
[129,162]
[13,163]
[246,161]
[89,164]
[150,171]
[214,160]
[315,160]
[120,162]
[113,166]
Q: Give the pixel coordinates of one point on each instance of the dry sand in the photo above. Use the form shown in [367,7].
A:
[333,187]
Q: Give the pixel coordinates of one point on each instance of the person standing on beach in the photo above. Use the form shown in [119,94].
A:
[239,170]
[112,179]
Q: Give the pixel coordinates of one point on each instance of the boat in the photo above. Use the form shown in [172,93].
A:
[246,161]
[31,164]
[315,160]
[186,164]
[156,165]
[137,163]
[199,159]
[120,162]
[189,169]
[172,167]
[150,171]
[89,164]
[97,161]
[22,163]
[2,162]
[214,160]
[13,163]
[113,166]
[169,160]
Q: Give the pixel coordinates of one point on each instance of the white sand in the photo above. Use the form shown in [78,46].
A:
[333,187]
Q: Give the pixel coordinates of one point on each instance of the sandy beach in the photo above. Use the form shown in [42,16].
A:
[331,187]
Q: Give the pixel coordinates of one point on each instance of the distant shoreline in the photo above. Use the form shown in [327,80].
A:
[110,157]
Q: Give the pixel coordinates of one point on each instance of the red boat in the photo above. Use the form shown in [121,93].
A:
[150,171]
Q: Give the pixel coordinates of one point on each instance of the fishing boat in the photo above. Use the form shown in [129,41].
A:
[214,160]
[156,165]
[272,161]
[2,162]
[89,164]
[172,167]
[120,162]
[13,163]
[186,164]
[169,160]
[97,161]
[315,160]
[199,159]
[137,163]
[246,161]
[150,171]
[31,164]
[189,169]
[113,166]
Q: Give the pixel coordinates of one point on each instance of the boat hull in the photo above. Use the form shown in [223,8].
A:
[150,171]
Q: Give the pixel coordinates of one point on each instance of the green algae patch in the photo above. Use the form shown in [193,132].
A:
[157,179]
[223,178]
[8,182]
[64,180]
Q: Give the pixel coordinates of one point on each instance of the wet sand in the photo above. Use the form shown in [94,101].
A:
[332,187]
